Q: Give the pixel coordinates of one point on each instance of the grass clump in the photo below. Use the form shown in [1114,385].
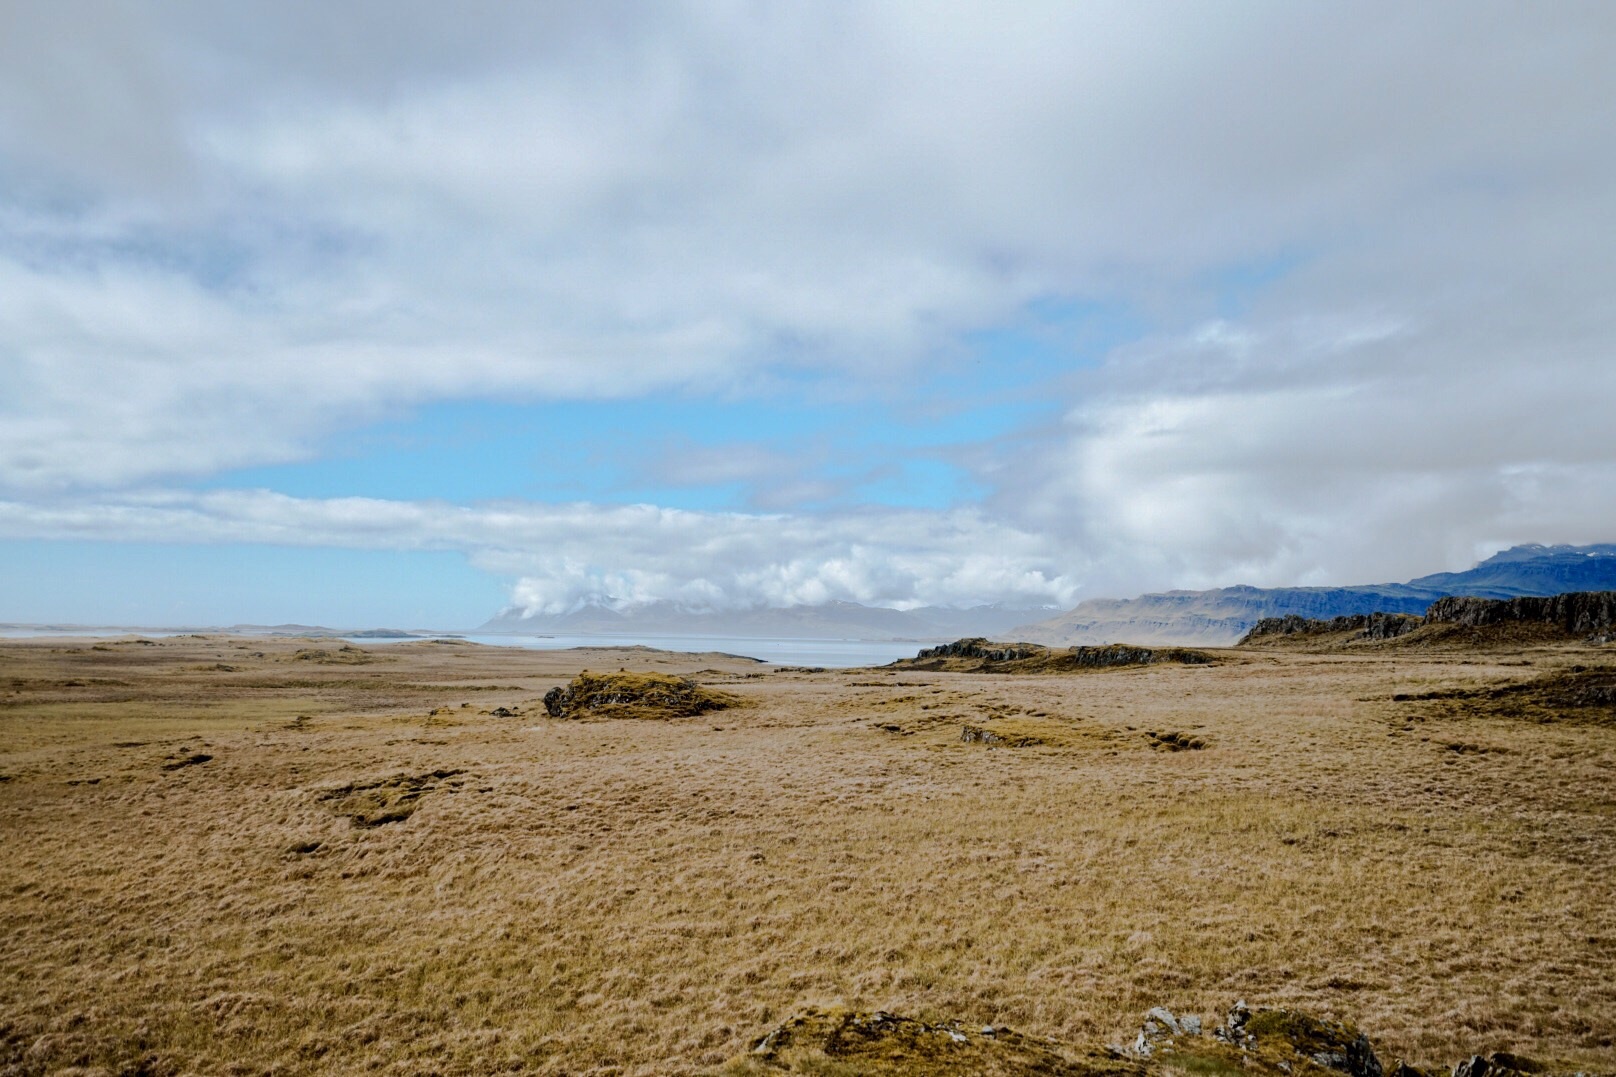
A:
[633,695]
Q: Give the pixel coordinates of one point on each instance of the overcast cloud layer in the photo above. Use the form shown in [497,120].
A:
[1367,249]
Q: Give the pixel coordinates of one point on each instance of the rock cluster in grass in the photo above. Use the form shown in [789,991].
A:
[632,695]
[1249,1043]
[880,1044]
[975,734]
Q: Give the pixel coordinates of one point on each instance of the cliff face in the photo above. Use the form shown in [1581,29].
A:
[1373,626]
[1587,615]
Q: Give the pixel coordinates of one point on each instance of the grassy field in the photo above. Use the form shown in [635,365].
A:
[223,855]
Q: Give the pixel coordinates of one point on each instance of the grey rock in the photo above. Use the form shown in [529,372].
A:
[1159,1025]
[1233,1030]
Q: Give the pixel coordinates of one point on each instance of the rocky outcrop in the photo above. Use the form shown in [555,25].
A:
[1254,1042]
[977,655]
[632,695]
[1113,655]
[985,650]
[1587,615]
[1579,613]
[880,1044]
[1361,626]
[975,734]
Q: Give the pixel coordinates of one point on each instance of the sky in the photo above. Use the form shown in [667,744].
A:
[404,313]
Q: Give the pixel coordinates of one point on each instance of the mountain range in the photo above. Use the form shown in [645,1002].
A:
[1211,618]
[1219,617]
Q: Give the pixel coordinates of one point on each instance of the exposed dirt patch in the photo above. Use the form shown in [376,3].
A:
[389,800]
[1579,696]
[186,759]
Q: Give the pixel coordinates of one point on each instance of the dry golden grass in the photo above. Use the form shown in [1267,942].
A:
[649,897]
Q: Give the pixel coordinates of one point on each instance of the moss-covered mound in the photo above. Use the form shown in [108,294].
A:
[979,655]
[633,695]
[848,1043]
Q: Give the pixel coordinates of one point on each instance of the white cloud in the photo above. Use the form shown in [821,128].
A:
[565,555]
[229,235]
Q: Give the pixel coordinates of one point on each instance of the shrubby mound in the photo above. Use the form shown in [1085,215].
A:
[978,655]
[633,695]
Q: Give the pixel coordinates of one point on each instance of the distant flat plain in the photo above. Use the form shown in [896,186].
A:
[248,855]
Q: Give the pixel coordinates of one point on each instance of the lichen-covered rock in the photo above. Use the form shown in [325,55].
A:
[1159,1025]
[975,734]
[1333,1045]
[1233,1029]
[632,695]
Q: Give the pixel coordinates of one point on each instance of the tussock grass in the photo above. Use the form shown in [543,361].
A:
[651,897]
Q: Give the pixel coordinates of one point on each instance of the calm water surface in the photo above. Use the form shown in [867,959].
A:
[785,652]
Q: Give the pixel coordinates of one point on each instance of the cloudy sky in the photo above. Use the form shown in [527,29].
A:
[402,312]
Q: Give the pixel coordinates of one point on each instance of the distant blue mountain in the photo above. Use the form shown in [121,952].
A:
[1220,617]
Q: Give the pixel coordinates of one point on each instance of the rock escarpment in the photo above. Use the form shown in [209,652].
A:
[1370,626]
[1579,613]
[1587,615]
[979,655]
